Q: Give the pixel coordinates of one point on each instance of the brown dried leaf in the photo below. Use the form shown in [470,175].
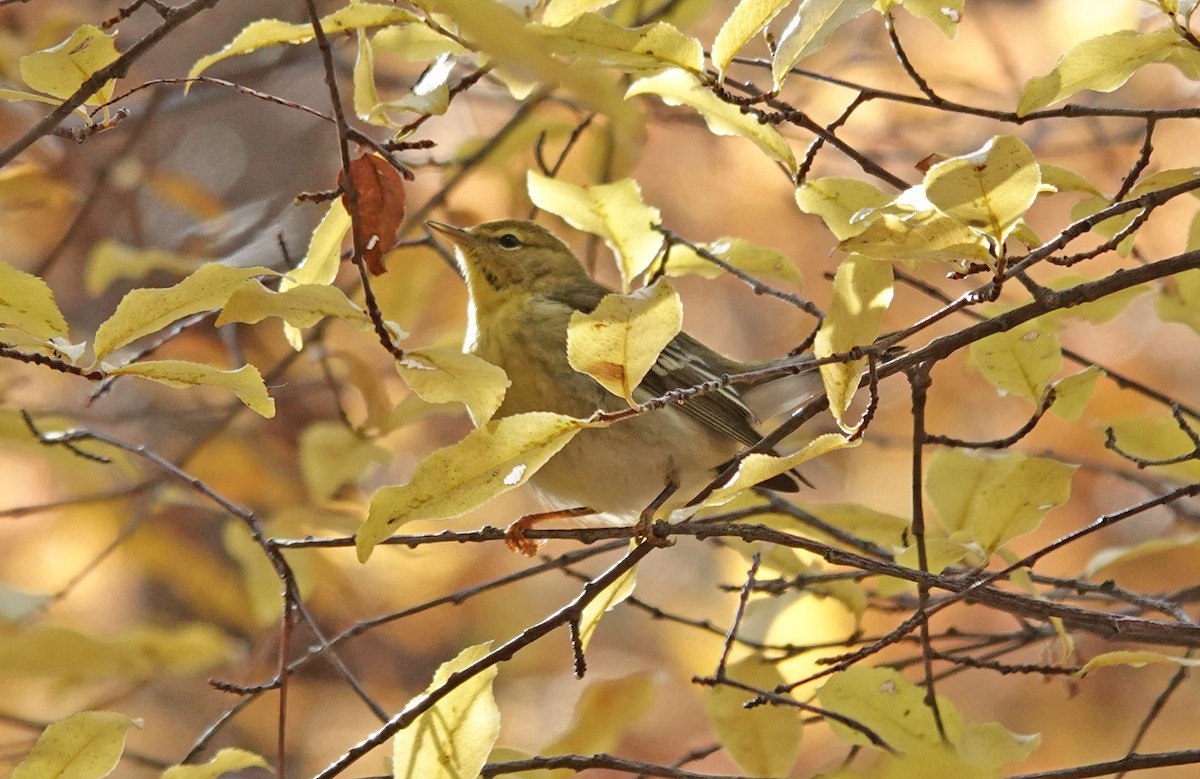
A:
[380,208]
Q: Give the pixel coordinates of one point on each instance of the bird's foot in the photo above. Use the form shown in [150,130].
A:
[514,535]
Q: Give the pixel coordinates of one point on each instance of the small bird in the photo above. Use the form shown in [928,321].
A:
[523,285]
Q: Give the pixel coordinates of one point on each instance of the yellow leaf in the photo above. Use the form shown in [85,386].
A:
[27,187]
[1020,361]
[619,341]
[274,32]
[614,212]
[415,43]
[451,739]
[491,460]
[16,96]
[246,382]
[651,47]
[912,228]
[862,292]
[145,311]
[331,455]
[263,592]
[762,740]
[27,304]
[991,745]
[225,761]
[838,200]
[945,14]
[1157,438]
[61,70]
[1179,300]
[878,527]
[1072,393]
[890,705]
[1136,659]
[991,500]
[608,599]
[450,376]
[300,306]
[109,261]
[1097,311]
[86,745]
[1066,180]
[1101,64]
[990,189]
[321,261]
[756,467]
[560,12]
[738,252]
[678,87]
[810,29]
[604,711]
[748,19]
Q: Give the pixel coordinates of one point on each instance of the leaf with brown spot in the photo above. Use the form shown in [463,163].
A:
[380,208]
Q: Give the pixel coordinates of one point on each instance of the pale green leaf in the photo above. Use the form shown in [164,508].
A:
[1097,311]
[738,252]
[300,306]
[1158,438]
[1062,179]
[450,376]
[809,31]
[225,761]
[1020,361]
[27,304]
[87,745]
[763,740]
[862,292]
[451,739]
[109,261]
[1072,393]
[618,342]
[274,32]
[678,87]
[945,14]
[652,47]
[608,599]
[991,745]
[748,19]
[62,69]
[332,456]
[838,200]
[991,500]
[491,460]
[990,189]
[245,382]
[614,212]
[146,311]
[1179,299]
[890,705]
[1137,659]
[1101,64]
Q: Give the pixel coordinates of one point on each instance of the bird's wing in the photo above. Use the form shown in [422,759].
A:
[685,362]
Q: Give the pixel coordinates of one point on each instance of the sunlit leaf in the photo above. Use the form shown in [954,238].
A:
[678,87]
[27,303]
[838,200]
[862,292]
[945,14]
[1071,393]
[145,311]
[1136,659]
[273,32]
[1158,438]
[755,260]
[62,70]
[225,761]
[332,455]
[763,740]
[614,212]
[86,745]
[246,382]
[619,341]
[608,599]
[1020,361]
[560,12]
[1066,180]
[606,709]
[758,467]
[415,43]
[1179,300]
[911,228]
[991,500]
[299,306]
[491,460]
[1106,558]
[1097,311]
[748,19]
[451,739]
[652,47]
[1101,64]
[450,376]
[988,190]
[321,261]
[809,31]
[109,261]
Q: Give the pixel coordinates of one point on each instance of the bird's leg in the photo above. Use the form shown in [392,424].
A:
[644,529]
[514,536]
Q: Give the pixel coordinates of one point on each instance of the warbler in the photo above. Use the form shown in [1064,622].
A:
[523,286]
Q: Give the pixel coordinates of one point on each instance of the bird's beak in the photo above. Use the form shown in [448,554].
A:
[455,234]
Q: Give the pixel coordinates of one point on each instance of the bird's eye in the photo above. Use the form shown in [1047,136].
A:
[509,241]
